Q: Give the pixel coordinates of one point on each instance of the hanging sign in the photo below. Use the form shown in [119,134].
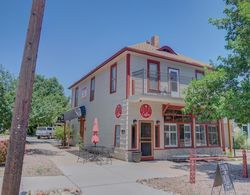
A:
[118,111]
[146,110]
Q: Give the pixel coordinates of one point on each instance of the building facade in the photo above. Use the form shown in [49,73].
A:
[137,95]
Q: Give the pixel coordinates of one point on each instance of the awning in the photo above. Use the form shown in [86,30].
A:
[75,113]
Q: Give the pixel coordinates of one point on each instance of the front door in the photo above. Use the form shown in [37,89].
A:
[146,141]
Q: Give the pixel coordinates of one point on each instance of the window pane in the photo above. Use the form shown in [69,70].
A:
[117,136]
[170,135]
[153,76]
[200,135]
[213,135]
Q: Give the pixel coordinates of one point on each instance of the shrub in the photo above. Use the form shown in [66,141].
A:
[240,140]
[3,150]
[59,132]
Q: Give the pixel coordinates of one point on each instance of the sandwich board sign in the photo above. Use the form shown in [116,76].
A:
[223,178]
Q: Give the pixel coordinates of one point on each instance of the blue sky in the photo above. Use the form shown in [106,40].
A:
[77,35]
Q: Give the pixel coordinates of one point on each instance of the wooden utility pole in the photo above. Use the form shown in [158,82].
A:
[19,124]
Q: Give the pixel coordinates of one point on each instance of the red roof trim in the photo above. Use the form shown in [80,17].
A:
[167,49]
[139,52]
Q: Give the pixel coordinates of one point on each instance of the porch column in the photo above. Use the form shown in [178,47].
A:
[193,131]
[222,135]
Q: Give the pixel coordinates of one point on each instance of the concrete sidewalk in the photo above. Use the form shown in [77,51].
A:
[118,178]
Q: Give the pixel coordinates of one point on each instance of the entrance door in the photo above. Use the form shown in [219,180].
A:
[174,82]
[146,141]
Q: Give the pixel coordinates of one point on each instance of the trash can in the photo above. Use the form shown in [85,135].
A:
[136,156]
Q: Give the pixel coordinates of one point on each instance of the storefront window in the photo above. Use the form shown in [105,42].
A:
[170,135]
[201,135]
[245,130]
[213,135]
[185,135]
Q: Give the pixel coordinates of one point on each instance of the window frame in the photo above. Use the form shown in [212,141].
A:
[76,96]
[136,136]
[205,134]
[157,63]
[115,140]
[217,134]
[199,72]
[177,142]
[92,92]
[174,94]
[111,80]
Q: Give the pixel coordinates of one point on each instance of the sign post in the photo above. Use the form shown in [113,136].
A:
[244,164]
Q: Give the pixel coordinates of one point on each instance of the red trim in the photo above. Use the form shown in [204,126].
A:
[133,87]
[193,131]
[139,52]
[199,71]
[92,92]
[159,136]
[110,78]
[127,76]
[158,74]
[145,158]
[169,86]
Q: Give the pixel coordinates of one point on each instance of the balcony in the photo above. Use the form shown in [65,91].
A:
[163,85]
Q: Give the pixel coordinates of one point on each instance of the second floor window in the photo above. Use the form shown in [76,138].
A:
[113,78]
[92,89]
[153,76]
[199,74]
[76,97]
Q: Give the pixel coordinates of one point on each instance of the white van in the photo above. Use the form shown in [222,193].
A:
[45,132]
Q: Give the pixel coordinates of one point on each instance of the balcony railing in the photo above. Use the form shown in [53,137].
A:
[165,84]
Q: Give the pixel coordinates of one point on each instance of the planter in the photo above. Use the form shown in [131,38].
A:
[136,156]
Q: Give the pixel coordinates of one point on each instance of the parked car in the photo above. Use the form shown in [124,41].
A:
[45,132]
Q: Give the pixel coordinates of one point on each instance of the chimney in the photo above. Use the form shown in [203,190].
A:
[155,41]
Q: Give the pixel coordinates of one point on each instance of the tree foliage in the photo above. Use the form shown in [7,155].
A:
[48,102]
[225,92]
[7,93]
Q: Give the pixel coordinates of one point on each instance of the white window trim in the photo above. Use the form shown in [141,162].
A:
[171,124]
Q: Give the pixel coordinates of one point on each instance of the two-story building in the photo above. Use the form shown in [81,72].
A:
[137,95]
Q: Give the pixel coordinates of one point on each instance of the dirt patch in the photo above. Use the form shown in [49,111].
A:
[37,163]
[204,181]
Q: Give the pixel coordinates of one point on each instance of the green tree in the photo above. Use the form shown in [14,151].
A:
[48,102]
[7,92]
[225,92]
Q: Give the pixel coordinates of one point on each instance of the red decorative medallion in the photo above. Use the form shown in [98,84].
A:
[146,110]
[118,111]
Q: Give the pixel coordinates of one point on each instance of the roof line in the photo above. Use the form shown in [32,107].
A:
[136,51]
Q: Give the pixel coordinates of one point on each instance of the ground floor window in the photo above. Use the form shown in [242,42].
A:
[201,135]
[185,135]
[117,135]
[213,135]
[245,129]
[170,135]
[134,136]
[157,136]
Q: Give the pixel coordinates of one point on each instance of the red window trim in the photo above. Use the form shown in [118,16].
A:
[110,78]
[136,136]
[115,135]
[92,95]
[159,136]
[158,72]
[199,71]
[169,86]
[76,97]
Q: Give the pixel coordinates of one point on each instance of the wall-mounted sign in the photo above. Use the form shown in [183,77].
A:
[118,111]
[84,92]
[145,110]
